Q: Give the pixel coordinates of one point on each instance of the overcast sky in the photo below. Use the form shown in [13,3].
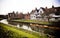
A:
[25,6]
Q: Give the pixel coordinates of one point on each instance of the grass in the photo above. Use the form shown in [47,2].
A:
[13,32]
[32,21]
[0,18]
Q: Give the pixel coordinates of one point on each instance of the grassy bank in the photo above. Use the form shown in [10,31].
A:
[0,18]
[13,32]
[32,21]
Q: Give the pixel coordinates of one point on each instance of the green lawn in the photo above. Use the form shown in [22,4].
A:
[31,21]
[13,32]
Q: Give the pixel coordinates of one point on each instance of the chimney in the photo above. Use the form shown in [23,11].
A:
[13,12]
[52,6]
[46,7]
[35,8]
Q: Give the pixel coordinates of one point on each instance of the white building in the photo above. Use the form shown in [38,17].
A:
[36,14]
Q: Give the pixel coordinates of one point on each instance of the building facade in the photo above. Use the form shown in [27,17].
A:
[27,16]
[16,15]
[36,14]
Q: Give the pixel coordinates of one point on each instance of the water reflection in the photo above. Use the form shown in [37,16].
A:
[18,26]
[4,21]
[50,33]
[26,27]
[23,26]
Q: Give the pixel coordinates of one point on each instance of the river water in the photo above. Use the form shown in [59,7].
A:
[4,21]
[18,26]
[23,26]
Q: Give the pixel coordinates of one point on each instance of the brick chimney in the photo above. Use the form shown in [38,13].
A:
[52,6]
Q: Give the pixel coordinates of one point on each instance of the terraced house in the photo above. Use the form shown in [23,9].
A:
[52,14]
[46,14]
[36,14]
[42,14]
[16,15]
[27,16]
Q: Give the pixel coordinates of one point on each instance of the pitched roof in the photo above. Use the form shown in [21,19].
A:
[51,10]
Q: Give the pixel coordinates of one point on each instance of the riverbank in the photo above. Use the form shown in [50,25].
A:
[43,24]
[0,18]
[14,32]
[31,21]
[50,29]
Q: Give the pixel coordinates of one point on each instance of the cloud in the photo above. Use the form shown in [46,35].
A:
[24,6]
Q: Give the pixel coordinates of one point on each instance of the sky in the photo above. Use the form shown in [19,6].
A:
[7,6]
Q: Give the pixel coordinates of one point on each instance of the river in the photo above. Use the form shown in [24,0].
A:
[23,26]
[18,26]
